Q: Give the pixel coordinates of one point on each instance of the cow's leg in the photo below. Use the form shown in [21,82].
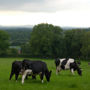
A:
[41,77]
[12,73]
[25,74]
[16,76]
[58,69]
[72,70]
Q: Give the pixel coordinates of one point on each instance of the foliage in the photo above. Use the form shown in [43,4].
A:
[12,52]
[25,49]
[73,40]
[46,40]
[4,42]
[19,36]
[86,45]
[49,41]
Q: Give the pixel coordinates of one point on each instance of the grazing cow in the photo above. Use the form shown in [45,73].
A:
[34,68]
[16,69]
[65,64]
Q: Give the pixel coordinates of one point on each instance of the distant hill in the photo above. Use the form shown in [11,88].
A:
[15,27]
[70,28]
[31,26]
[18,35]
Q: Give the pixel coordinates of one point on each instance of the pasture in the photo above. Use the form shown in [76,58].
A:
[64,81]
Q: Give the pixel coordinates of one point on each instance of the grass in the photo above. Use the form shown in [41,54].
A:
[64,81]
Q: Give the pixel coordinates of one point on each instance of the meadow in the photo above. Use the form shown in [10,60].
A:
[64,81]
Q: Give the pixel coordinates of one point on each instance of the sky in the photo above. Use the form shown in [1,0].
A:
[70,13]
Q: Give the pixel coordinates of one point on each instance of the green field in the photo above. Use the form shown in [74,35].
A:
[63,81]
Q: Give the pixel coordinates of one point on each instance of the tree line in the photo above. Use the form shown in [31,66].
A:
[19,36]
[49,41]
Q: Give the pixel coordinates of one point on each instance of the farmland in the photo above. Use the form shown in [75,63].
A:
[64,81]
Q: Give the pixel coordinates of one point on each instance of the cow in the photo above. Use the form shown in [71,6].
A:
[35,68]
[67,64]
[16,69]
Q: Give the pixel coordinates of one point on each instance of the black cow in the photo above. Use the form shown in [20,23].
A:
[16,69]
[65,64]
[34,68]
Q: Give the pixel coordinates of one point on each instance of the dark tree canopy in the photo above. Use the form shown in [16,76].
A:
[19,36]
[85,50]
[4,42]
[73,40]
[46,40]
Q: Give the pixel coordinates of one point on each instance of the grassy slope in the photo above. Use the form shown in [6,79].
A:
[63,81]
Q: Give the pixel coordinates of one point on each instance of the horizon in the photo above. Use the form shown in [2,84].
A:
[71,13]
[31,26]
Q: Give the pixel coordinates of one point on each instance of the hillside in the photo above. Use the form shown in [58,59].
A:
[19,36]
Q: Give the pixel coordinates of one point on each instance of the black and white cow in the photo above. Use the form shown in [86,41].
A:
[16,69]
[65,64]
[34,68]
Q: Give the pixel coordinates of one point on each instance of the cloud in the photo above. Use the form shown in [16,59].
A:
[44,5]
[17,4]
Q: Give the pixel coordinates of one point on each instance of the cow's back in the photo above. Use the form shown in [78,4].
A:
[38,66]
[16,66]
[68,62]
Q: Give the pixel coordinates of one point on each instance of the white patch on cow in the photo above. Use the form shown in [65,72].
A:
[61,60]
[28,71]
[71,60]
[67,66]
[72,71]
[42,81]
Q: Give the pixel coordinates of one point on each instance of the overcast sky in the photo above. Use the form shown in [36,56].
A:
[74,13]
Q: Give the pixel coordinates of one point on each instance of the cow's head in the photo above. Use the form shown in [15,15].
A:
[79,71]
[48,75]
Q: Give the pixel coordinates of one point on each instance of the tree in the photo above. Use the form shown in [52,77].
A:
[25,49]
[4,42]
[86,45]
[45,40]
[73,40]
[12,52]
